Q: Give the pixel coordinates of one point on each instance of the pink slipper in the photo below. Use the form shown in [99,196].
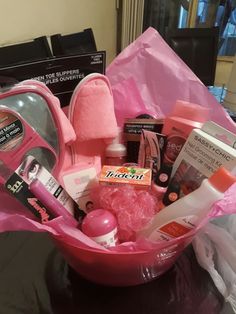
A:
[91,113]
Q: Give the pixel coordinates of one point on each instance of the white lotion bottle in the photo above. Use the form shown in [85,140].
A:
[115,153]
[186,213]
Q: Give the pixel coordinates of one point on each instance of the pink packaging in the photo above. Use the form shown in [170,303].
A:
[184,117]
[179,124]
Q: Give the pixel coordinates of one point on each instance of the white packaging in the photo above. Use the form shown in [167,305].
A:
[203,153]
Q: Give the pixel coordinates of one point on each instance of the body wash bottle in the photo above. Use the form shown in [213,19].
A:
[187,213]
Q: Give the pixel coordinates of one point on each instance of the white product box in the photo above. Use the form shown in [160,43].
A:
[204,152]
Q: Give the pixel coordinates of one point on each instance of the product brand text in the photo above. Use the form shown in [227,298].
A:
[41,210]
[113,174]
[213,148]
[15,187]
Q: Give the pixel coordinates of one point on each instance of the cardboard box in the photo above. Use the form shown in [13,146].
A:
[60,74]
[204,152]
[132,134]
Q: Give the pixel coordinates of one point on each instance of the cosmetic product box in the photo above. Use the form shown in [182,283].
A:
[137,177]
[205,150]
[132,134]
[51,194]
[151,150]
[60,74]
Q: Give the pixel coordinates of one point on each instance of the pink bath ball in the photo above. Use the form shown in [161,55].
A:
[133,208]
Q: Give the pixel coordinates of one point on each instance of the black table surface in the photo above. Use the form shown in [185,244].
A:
[34,279]
[186,288]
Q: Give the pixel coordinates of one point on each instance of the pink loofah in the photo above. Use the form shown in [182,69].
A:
[133,208]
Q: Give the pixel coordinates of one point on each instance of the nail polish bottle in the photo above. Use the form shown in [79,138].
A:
[172,193]
[160,182]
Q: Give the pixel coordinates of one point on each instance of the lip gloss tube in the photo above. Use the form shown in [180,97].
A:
[51,203]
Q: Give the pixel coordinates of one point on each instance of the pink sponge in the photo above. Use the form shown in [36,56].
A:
[133,208]
[91,110]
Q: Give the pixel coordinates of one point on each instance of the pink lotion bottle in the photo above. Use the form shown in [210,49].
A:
[184,118]
[101,226]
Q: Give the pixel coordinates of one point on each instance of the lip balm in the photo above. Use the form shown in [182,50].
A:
[101,226]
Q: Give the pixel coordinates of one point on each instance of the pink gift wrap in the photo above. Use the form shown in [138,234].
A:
[161,78]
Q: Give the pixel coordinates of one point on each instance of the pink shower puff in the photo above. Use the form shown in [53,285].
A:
[133,208]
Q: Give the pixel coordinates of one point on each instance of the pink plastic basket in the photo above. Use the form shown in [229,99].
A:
[122,268]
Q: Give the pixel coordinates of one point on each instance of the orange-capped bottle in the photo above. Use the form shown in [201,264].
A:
[186,213]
